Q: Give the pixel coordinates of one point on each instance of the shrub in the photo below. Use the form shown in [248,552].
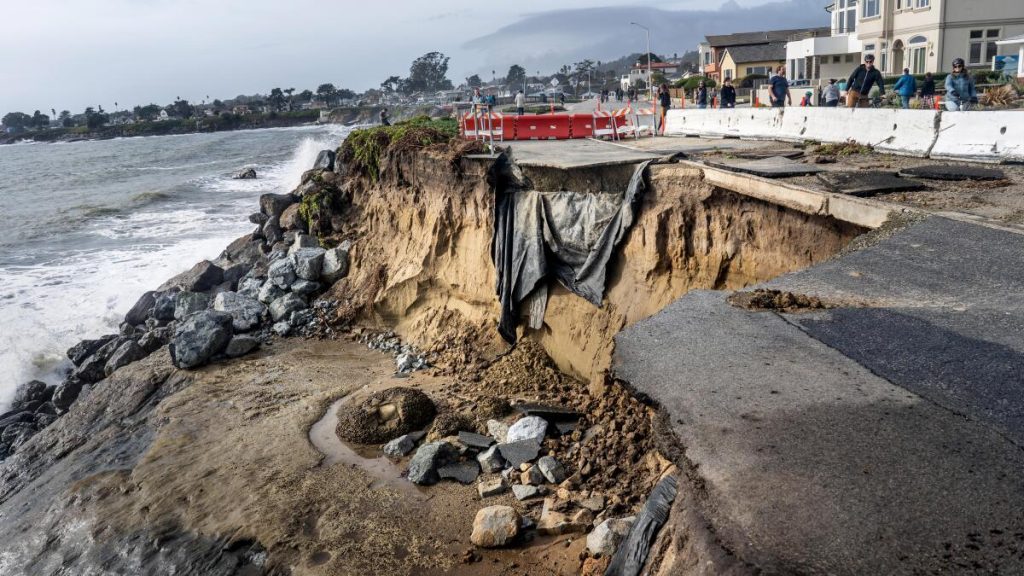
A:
[364,148]
[692,82]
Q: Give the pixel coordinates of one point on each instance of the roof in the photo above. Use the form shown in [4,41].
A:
[657,65]
[1018,39]
[774,52]
[750,38]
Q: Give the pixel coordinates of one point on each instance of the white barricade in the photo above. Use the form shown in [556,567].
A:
[909,132]
[984,136]
[752,123]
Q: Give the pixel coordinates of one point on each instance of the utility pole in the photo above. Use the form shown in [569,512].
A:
[647,31]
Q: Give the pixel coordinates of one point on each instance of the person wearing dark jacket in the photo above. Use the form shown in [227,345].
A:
[859,85]
[778,91]
[928,90]
[665,99]
[701,97]
[728,95]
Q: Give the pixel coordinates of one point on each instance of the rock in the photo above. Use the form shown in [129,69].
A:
[17,434]
[406,362]
[525,492]
[164,307]
[401,446]
[474,440]
[282,273]
[199,278]
[282,308]
[271,231]
[141,310]
[93,369]
[553,522]
[47,407]
[528,428]
[423,468]
[250,287]
[301,318]
[258,218]
[188,303]
[516,453]
[385,415]
[21,416]
[490,488]
[532,476]
[246,174]
[127,353]
[303,241]
[246,313]
[282,328]
[150,342]
[240,345]
[491,461]
[465,472]
[79,352]
[199,337]
[608,535]
[291,219]
[552,469]
[66,393]
[273,205]
[336,263]
[497,430]
[592,503]
[305,287]
[495,526]
[308,262]
[270,292]
[42,420]
[236,272]
[307,189]
[32,391]
[324,160]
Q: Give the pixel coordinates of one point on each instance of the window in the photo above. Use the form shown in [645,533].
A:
[982,48]
[837,59]
[923,3]
[849,58]
[728,74]
[883,58]
[917,58]
[871,8]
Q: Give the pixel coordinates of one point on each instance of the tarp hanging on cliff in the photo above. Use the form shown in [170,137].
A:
[568,235]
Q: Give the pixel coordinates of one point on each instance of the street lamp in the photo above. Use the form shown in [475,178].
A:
[647,31]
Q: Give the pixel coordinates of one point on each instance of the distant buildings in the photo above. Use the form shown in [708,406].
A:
[754,50]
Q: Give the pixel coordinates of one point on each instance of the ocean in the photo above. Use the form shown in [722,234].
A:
[90,226]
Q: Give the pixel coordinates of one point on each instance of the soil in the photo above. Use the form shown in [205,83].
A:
[764,299]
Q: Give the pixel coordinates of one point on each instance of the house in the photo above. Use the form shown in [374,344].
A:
[163,116]
[712,50]
[920,35]
[762,59]
[240,110]
[638,73]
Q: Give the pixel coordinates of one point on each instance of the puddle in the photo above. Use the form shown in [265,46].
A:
[324,438]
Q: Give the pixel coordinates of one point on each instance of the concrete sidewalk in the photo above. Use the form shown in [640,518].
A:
[881,437]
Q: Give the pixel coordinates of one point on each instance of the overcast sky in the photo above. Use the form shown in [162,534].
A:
[69,54]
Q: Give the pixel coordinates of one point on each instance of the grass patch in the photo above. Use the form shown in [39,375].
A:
[363,149]
[844,149]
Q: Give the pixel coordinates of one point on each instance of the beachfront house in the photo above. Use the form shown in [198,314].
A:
[771,43]
[638,73]
[832,52]
[739,62]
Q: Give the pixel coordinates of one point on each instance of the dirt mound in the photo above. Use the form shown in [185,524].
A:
[385,415]
[762,299]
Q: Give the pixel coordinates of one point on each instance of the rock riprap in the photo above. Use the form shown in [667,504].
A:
[200,337]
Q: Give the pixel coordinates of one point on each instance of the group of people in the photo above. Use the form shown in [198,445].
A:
[961,92]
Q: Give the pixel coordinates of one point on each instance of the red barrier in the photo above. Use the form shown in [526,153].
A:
[500,126]
[543,127]
[582,125]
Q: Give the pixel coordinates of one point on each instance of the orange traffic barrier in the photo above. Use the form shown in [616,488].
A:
[543,127]
[495,124]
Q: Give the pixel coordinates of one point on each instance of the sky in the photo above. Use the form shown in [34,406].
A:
[69,54]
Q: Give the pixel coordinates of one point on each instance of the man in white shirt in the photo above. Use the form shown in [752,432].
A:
[520,103]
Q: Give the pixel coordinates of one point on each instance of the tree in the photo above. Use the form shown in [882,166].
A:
[94,119]
[391,85]
[276,99]
[65,119]
[642,59]
[516,76]
[40,120]
[147,113]
[182,109]
[218,105]
[474,81]
[325,92]
[17,121]
[428,73]
[345,94]
[305,96]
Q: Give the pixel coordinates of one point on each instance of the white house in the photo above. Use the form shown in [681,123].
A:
[816,56]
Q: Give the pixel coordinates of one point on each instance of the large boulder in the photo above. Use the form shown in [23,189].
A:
[188,303]
[241,345]
[127,353]
[269,292]
[336,263]
[66,393]
[246,312]
[309,262]
[282,308]
[199,278]
[495,526]
[291,219]
[282,273]
[424,465]
[273,205]
[79,352]
[165,305]
[141,310]
[94,368]
[272,230]
[303,241]
[34,391]
[324,160]
[250,287]
[245,174]
[200,337]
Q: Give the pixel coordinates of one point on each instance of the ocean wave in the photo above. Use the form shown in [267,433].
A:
[144,198]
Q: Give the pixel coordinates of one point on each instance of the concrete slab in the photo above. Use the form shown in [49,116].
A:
[867,183]
[568,154]
[771,167]
[955,173]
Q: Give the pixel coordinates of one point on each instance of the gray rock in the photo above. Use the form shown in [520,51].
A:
[93,369]
[250,287]
[32,391]
[405,363]
[22,416]
[427,459]
[552,469]
[305,287]
[42,420]
[464,472]
[163,308]
[236,272]
[291,219]
[492,487]
[400,446]
[532,476]
[141,310]
[497,430]
[240,345]
[282,273]
[474,440]
[324,160]
[199,278]
[605,539]
[309,263]
[270,292]
[199,337]
[17,434]
[258,218]
[66,393]
[271,230]
[336,263]
[306,189]
[524,492]
[151,341]
[188,303]
[282,308]
[517,453]
[246,313]
[301,318]
[246,174]
[495,526]
[528,428]
[303,241]
[273,205]
[127,353]
[282,328]
[490,460]
[79,352]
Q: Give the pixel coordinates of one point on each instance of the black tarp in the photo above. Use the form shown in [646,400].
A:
[630,557]
[567,235]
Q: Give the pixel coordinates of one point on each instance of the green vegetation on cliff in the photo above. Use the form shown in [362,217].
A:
[363,149]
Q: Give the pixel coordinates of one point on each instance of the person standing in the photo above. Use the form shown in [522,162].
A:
[665,99]
[928,90]
[859,85]
[778,89]
[960,89]
[520,103]
[906,86]
[701,97]
[385,119]
[728,95]
[832,94]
